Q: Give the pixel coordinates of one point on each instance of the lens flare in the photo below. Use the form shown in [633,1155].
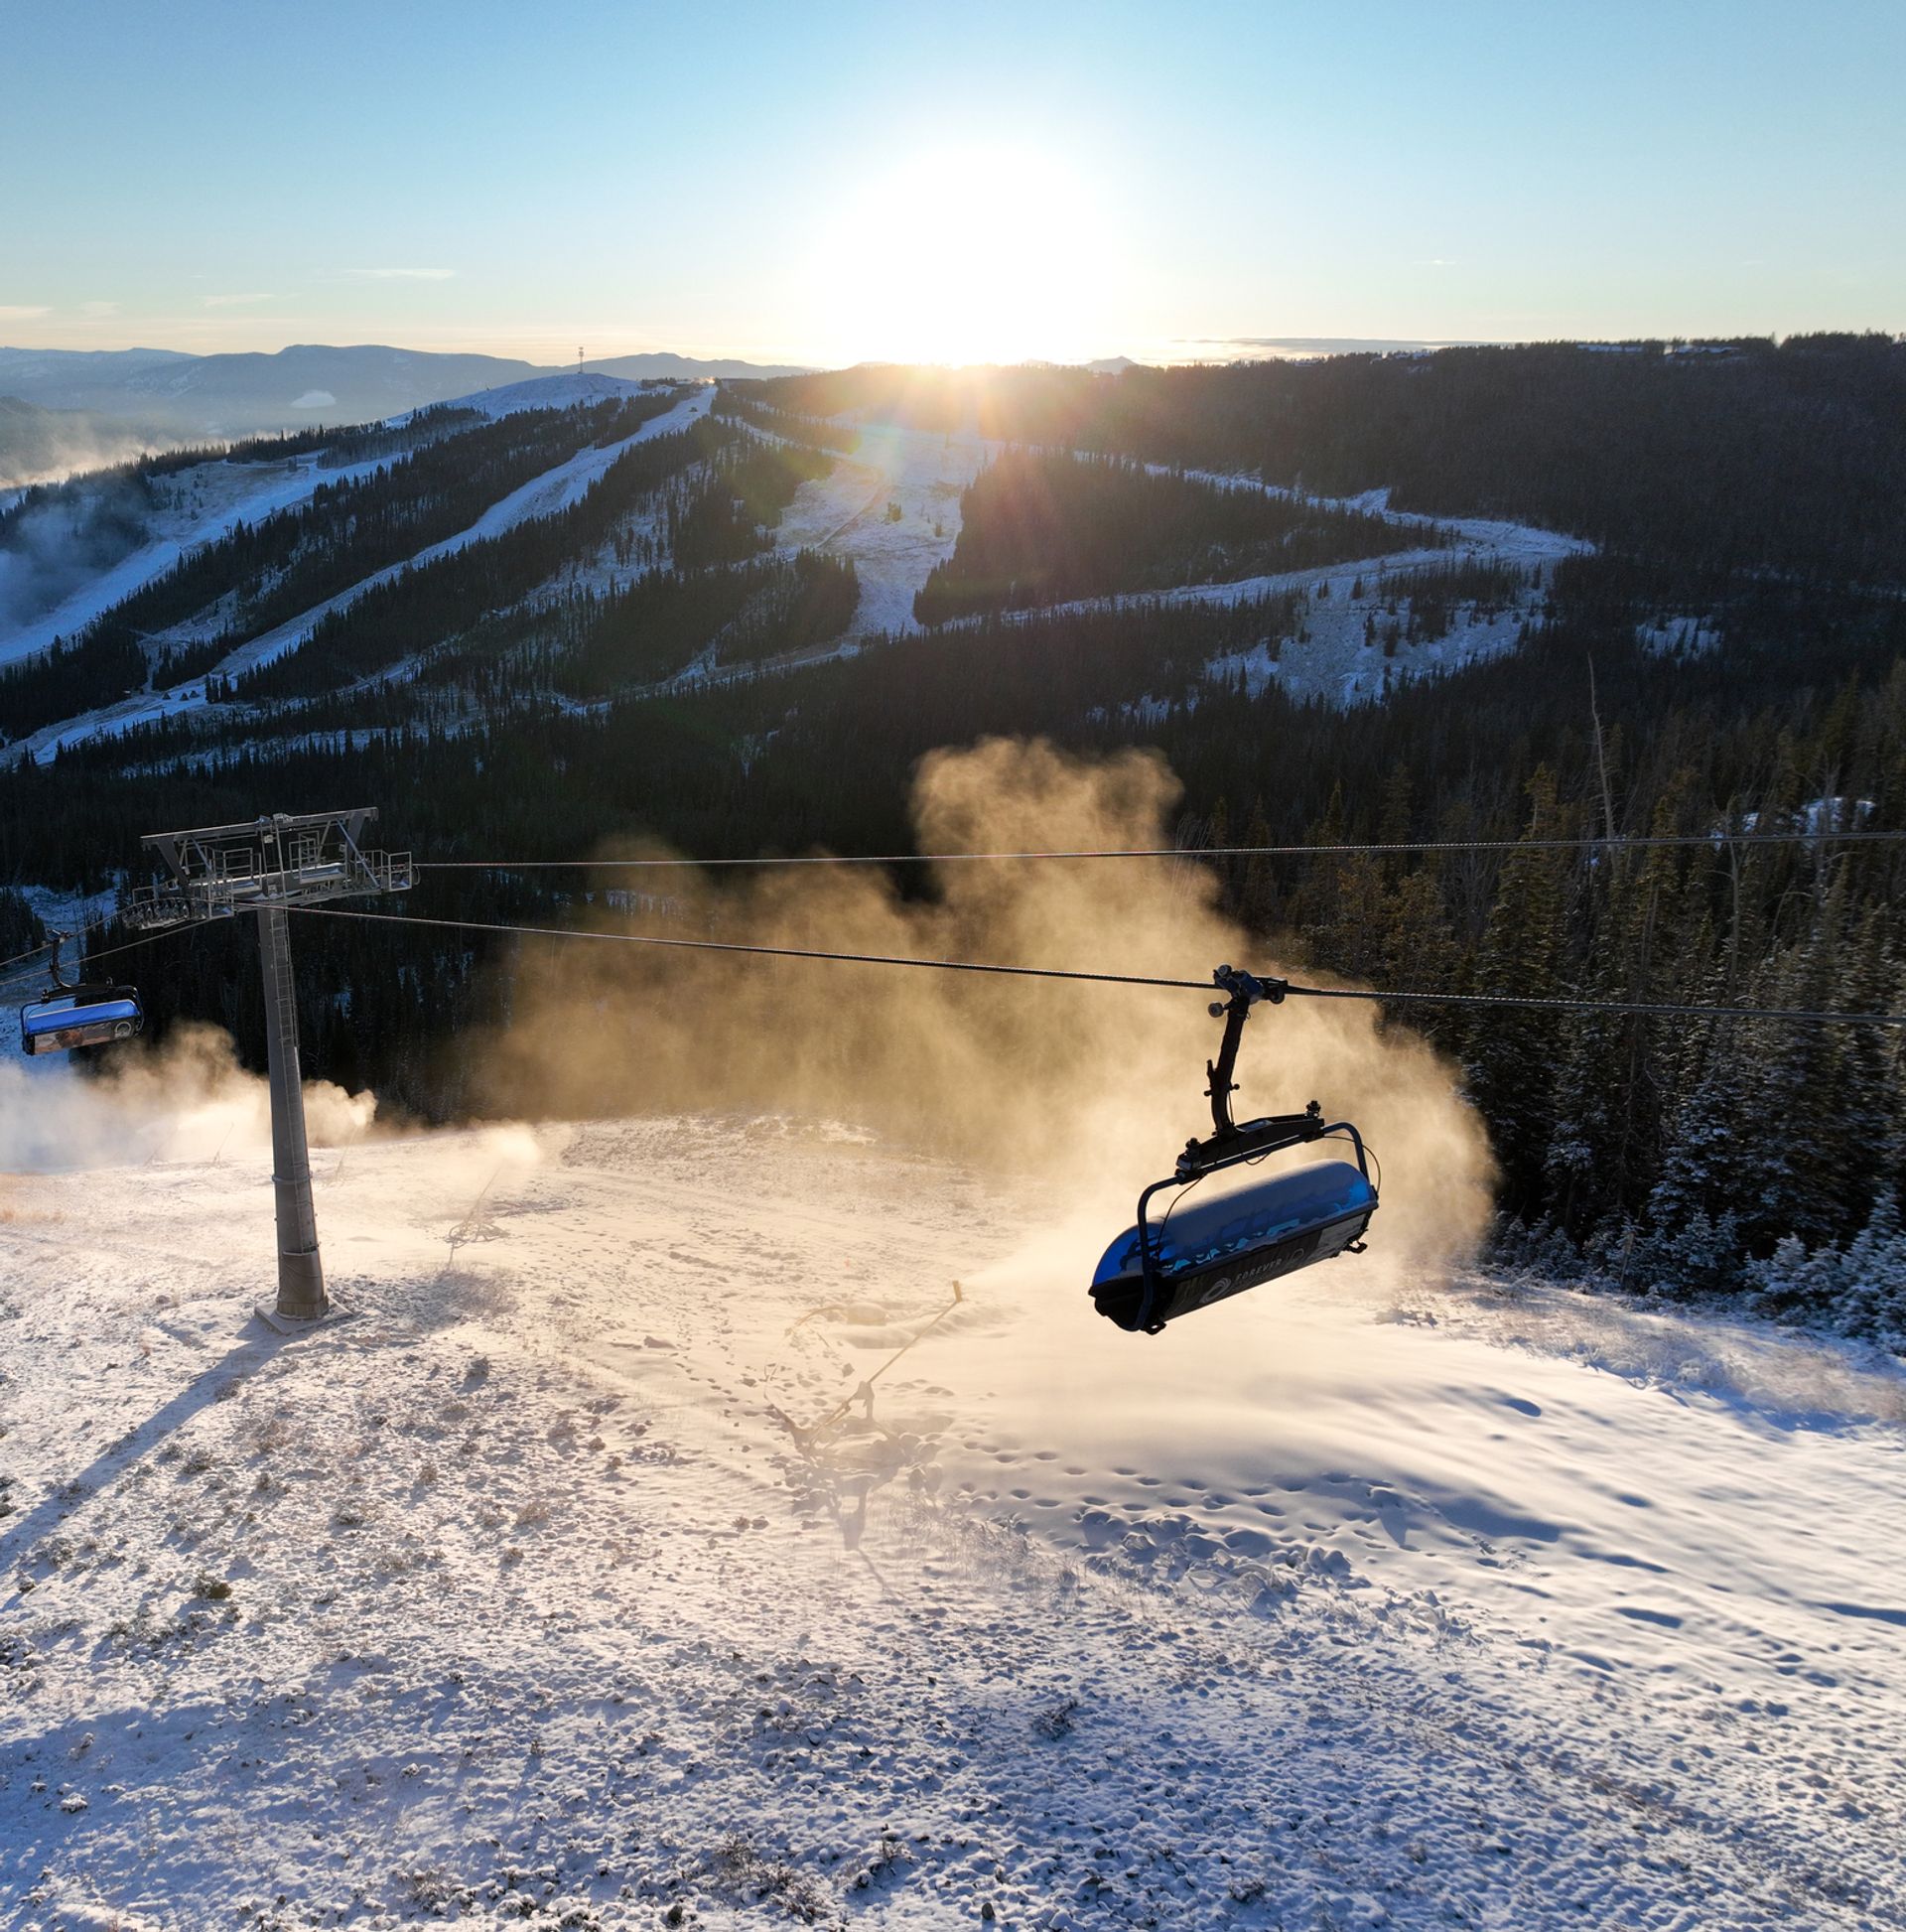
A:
[964,255]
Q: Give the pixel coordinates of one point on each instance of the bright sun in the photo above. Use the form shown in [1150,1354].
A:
[976,255]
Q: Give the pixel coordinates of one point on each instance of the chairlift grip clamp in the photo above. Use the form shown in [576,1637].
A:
[1249,988]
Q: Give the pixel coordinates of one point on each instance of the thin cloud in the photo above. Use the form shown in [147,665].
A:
[22,311]
[97,311]
[237,301]
[404,274]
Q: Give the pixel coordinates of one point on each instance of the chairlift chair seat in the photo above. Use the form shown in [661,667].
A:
[1210,1251]
[81,1015]
[1205,1251]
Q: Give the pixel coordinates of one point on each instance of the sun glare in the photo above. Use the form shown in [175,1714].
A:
[959,255]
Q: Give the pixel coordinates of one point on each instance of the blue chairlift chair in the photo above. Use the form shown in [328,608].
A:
[1196,1255]
[94,1013]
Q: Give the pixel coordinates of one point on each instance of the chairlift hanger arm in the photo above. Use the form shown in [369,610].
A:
[1252,1142]
[1246,990]
[1229,1142]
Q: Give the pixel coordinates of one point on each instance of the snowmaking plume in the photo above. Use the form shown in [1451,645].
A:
[52,544]
[1088,1091]
[188,1100]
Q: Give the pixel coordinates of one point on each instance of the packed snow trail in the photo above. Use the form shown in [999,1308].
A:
[238,492]
[846,514]
[557,488]
[543,1583]
[893,508]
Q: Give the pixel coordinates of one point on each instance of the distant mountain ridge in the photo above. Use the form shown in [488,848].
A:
[144,398]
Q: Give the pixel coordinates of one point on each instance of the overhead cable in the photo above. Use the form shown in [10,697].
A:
[58,934]
[1637,1008]
[24,979]
[767,952]
[1382,847]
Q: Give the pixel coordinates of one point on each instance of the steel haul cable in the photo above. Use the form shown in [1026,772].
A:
[64,932]
[766,952]
[1631,1008]
[27,979]
[1640,841]
[1380,849]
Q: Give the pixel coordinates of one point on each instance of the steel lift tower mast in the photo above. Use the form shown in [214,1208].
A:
[266,867]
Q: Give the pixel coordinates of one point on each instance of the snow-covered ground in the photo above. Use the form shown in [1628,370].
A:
[849,512]
[892,507]
[1679,637]
[1336,658]
[604,1568]
[575,389]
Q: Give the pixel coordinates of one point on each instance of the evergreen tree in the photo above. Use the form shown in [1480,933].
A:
[1513,1051]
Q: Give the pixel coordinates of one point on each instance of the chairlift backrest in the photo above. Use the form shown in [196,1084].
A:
[1205,1250]
[1205,1253]
[81,1015]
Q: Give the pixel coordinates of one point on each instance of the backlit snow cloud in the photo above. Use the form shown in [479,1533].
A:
[984,1068]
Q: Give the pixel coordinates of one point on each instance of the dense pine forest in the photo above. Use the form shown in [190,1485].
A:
[1729,657]
[1043,527]
[1749,456]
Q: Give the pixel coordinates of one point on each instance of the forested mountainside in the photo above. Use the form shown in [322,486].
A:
[670,640]
[1043,528]
[1699,457]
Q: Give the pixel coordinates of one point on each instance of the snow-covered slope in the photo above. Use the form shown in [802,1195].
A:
[605,1563]
[894,508]
[558,488]
[199,505]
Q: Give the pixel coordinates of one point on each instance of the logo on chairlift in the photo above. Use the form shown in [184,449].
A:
[1273,1261]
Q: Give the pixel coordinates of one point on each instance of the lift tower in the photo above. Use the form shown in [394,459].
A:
[266,867]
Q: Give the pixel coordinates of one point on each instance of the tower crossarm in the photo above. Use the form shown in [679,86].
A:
[287,859]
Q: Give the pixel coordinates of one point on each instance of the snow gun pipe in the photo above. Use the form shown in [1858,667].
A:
[1107,979]
[1646,842]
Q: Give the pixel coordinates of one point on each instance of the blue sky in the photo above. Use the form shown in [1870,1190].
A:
[835,181]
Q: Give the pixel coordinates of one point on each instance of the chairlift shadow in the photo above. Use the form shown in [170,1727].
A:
[850,1457]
